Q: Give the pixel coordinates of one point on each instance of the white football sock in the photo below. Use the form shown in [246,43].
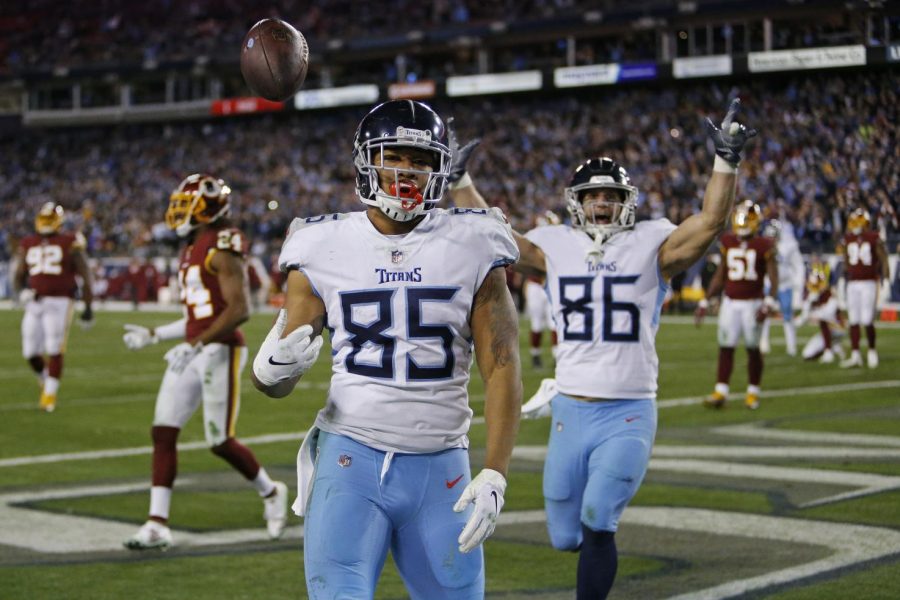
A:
[263,483]
[51,385]
[790,337]
[160,500]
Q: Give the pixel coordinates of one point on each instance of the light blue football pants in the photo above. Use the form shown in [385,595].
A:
[596,460]
[364,502]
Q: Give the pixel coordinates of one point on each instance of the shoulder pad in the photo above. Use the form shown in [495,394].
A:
[301,222]
[493,211]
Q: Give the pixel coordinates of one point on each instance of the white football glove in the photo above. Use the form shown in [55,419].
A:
[181,355]
[282,359]
[26,295]
[485,494]
[138,337]
[539,405]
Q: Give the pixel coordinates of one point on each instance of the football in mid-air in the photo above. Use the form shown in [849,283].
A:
[274,59]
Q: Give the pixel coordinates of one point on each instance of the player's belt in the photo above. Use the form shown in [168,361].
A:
[589,398]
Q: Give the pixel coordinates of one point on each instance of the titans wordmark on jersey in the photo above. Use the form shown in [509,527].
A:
[398,311]
[607,315]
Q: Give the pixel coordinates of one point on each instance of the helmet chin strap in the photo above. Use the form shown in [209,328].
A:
[595,254]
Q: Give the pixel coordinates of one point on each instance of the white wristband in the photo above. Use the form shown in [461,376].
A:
[171,331]
[703,303]
[723,166]
[463,182]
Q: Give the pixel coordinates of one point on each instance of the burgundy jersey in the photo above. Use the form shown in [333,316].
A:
[200,289]
[50,260]
[821,299]
[860,257]
[745,265]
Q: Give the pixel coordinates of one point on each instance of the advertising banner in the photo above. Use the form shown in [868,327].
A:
[341,96]
[494,83]
[702,66]
[808,58]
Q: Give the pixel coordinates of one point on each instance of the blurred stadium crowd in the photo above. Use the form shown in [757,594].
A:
[828,144]
[47,35]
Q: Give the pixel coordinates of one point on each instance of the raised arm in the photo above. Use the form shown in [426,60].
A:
[693,237]
[292,345]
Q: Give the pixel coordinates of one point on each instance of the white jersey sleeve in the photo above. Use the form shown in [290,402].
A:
[301,239]
[501,249]
[606,315]
[398,309]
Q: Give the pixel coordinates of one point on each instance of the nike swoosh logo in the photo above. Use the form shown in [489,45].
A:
[450,484]
[280,364]
[630,419]
[496,502]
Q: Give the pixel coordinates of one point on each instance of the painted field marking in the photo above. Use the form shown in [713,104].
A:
[851,544]
[798,391]
[133,398]
[271,438]
[282,437]
[757,431]
[674,459]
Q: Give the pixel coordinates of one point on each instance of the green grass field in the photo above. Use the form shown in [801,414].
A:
[800,499]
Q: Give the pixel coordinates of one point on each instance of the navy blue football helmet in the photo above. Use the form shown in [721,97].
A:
[602,173]
[400,123]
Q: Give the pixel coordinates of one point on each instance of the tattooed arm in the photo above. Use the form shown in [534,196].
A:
[495,331]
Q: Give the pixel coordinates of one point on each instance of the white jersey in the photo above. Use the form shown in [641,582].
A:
[398,310]
[791,270]
[607,315]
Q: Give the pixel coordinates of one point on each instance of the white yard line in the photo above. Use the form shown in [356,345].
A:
[129,398]
[51,533]
[711,323]
[798,391]
[119,452]
[757,431]
[675,459]
[851,544]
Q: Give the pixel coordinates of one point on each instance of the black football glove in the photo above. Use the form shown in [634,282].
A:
[458,156]
[86,320]
[731,137]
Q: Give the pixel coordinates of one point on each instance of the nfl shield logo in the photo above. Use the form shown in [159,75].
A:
[344,460]
[396,257]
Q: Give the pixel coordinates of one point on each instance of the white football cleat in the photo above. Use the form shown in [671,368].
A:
[538,406]
[872,358]
[854,361]
[827,357]
[152,535]
[275,510]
